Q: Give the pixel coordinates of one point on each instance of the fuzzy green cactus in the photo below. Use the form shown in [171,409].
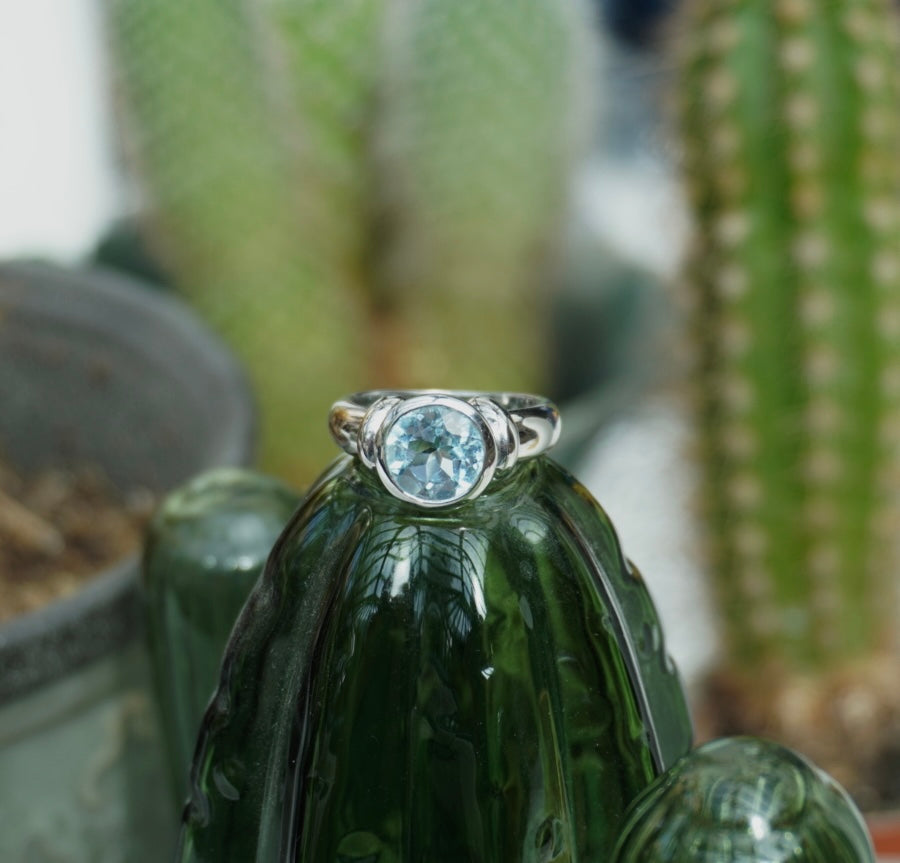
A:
[791,134]
[357,192]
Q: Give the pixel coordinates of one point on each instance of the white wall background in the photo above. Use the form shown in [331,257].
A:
[58,184]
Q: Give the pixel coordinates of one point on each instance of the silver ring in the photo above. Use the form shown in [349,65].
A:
[435,448]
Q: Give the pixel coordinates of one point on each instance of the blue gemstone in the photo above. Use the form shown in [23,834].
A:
[434,453]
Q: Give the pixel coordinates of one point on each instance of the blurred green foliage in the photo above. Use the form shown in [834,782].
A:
[357,193]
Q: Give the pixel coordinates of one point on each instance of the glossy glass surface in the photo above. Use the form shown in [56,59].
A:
[743,800]
[206,548]
[484,684]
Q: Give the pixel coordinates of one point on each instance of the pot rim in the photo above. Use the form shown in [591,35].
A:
[43,645]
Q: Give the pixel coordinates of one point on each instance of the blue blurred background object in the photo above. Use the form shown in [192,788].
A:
[636,21]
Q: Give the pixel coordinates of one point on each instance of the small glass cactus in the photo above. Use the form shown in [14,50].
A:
[744,800]
[205,550]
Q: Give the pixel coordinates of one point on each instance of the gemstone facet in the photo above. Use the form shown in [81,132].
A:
[434,454]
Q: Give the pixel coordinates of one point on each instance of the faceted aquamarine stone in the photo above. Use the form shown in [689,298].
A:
[434,453]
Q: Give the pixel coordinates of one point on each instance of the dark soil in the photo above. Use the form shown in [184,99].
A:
[846,720]
[58,529]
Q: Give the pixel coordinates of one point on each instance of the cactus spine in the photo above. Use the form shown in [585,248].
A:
[358,192]
[788,115]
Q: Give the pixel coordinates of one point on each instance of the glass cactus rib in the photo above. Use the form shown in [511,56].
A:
[744,800]
[483,683]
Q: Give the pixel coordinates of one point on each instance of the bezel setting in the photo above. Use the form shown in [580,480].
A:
[498,439]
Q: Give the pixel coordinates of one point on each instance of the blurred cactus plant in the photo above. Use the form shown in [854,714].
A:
[357,192]
[788,113]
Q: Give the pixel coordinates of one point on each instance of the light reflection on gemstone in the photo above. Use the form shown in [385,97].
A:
[434,453]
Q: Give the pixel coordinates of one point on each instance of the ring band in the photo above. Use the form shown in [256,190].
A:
[435,448]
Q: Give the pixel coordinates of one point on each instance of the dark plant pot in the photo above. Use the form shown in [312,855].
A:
[96,370]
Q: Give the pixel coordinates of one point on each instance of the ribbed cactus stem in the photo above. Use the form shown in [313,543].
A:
[470,203]
[227,175]
[790,130]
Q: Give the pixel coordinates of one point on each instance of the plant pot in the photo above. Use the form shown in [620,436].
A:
[96,370]
[885,830]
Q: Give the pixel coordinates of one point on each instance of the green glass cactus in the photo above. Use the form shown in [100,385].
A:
[483,683]
[790,133]
[355,190]
[205,550]
[743,800]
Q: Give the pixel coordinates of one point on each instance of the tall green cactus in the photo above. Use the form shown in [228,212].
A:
[791,135]
[358,192]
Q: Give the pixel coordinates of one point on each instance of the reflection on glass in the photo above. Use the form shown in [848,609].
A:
[444,685]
